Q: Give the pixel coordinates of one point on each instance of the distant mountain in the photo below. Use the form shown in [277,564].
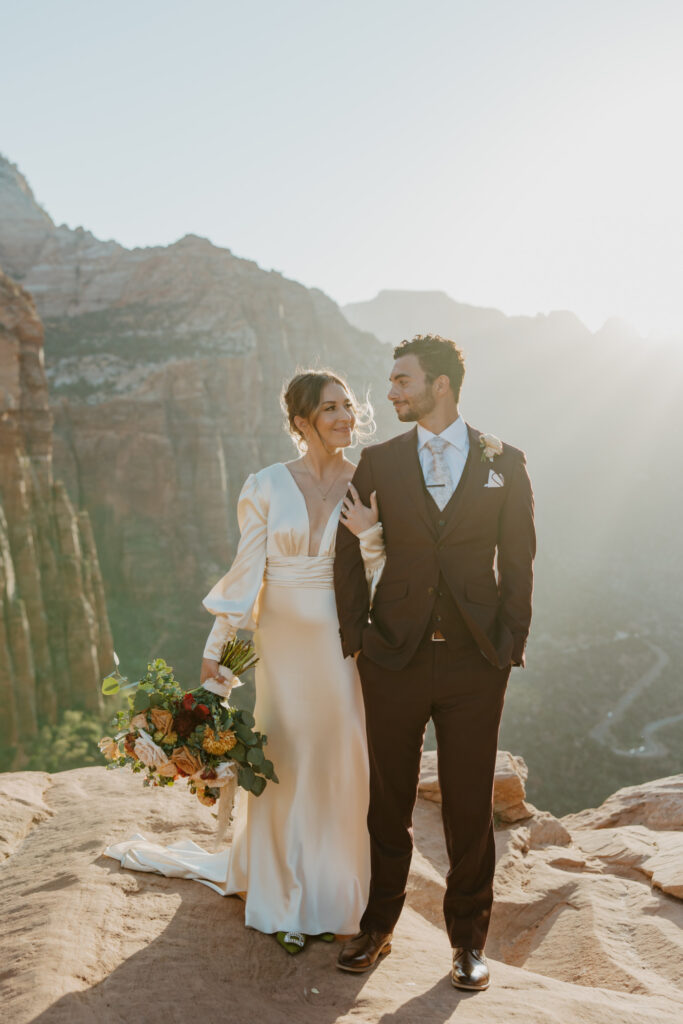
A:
[394,315]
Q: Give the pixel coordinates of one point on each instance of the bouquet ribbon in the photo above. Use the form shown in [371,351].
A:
[222,687]
[227,784]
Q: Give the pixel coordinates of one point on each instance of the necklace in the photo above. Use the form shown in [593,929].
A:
[323,494]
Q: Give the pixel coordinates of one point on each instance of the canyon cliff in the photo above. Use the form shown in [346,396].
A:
[55,639]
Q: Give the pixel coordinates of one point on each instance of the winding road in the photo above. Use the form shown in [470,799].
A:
[650,747]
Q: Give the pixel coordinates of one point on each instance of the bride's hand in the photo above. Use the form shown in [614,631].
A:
[209,670]
[357,516]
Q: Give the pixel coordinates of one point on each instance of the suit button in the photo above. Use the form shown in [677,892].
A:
[430,590]
[442,522]
[439,619]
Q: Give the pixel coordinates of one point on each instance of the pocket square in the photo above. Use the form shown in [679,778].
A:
[495,479]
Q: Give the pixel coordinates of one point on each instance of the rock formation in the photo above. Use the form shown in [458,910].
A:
[55,640]
[578,933]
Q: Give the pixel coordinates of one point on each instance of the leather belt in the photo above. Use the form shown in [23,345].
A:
[437,635]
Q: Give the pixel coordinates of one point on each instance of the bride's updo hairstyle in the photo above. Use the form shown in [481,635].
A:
[301,397]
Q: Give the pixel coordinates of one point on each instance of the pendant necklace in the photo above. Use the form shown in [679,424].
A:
[323,494]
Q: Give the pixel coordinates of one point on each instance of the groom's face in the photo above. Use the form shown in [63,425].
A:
[410,392]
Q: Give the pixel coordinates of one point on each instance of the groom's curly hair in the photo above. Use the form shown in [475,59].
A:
[437,356]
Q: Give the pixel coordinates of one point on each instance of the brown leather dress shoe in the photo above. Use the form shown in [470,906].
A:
[470,969]
[361,952]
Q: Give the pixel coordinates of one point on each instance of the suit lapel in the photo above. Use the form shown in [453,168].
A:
[410,473]
[467,485]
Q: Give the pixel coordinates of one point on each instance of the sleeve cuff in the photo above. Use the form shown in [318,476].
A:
[220,633]
[372,532]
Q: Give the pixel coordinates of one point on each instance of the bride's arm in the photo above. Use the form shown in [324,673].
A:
[364,523]
[233,597]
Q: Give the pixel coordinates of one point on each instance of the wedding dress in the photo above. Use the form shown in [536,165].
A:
[300,850]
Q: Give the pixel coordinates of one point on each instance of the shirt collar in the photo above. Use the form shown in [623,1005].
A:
[456,434]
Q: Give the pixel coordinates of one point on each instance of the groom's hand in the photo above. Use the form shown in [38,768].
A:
[209,670]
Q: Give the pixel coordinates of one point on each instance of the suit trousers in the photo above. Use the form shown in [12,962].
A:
[463,693]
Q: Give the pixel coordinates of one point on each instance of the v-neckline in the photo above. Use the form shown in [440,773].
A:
[301,494]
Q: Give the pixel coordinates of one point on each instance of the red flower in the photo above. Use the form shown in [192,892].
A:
[188,702]
[185,722]
[202,710]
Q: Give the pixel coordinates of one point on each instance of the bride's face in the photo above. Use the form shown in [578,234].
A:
[334,419]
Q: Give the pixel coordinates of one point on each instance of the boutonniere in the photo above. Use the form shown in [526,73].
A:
[490,447]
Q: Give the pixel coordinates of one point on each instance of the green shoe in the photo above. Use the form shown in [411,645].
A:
[326,936]
[293,942]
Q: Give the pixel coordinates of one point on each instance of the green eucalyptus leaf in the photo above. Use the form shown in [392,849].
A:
[245,734]
[258,785]
[141,702]
[238,752]
[110,686]
[246,778]
[255,757]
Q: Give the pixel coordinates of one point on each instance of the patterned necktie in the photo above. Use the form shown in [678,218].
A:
[438,476]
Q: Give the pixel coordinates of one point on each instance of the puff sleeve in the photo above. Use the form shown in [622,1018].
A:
[234,598]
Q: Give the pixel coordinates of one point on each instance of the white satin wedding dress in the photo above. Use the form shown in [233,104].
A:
[300,851]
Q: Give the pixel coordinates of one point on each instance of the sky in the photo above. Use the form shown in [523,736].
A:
[524,155]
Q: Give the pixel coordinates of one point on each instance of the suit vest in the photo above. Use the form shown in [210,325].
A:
[446,615]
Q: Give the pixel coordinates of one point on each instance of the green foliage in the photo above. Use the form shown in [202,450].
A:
[141,701]
[71,743]
[246,777]
[258,785]
[244,733]
[255,757]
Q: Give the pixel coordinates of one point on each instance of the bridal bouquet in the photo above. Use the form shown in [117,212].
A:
[168,733]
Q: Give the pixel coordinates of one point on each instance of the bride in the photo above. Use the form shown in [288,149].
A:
[300,851]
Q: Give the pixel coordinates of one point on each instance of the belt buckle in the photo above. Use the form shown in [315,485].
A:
[441,639]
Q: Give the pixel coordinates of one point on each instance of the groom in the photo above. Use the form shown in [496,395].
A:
[450,617]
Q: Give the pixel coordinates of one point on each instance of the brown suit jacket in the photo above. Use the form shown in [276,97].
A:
[483,551]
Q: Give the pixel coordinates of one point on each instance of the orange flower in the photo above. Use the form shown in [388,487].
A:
[205,798]
[220,744]
[168,770]
[109,747]
[162,720]
[186,761]
[139,721]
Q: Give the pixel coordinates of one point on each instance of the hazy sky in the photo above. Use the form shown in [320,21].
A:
[524,154]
